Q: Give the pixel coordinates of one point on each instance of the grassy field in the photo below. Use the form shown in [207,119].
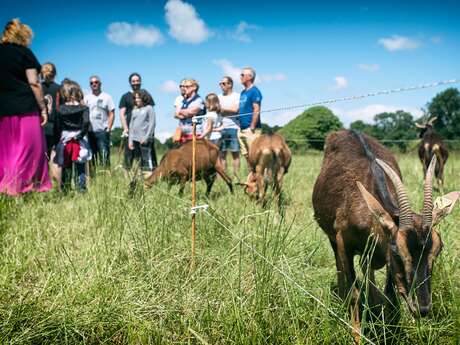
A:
[106,268]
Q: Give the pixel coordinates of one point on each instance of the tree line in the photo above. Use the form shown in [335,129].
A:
[395,129]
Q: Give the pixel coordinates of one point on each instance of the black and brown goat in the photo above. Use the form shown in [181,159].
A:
[176,166]
[268,160]
[354,203]
[432,145]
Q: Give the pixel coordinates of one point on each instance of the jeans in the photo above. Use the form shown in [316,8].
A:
[129,155]
[100,145]
[80,177]
[143,152]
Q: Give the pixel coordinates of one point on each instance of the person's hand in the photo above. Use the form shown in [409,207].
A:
[142,142]
[131,146]
[43,117]
[125,133]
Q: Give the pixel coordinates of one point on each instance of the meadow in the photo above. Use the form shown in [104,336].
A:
[104,267]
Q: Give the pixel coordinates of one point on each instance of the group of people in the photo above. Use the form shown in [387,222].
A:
[230,120]
[45,124]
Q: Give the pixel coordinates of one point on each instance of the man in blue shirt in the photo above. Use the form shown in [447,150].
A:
[250,102]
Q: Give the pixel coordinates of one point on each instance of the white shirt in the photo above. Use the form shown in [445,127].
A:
[99,108]
[229,102]
[216,122]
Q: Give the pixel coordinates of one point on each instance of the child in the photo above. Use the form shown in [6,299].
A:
[142,131]
[70,129]
[214,124]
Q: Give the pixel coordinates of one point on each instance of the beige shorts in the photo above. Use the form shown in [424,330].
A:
[246,137]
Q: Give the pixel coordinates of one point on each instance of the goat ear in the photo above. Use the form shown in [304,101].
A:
[418,125]
[382,216]
[444,205]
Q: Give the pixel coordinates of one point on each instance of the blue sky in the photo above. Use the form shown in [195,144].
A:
[301,52]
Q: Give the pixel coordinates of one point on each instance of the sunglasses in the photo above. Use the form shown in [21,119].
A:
[187,86]
[224,83]
[94,82]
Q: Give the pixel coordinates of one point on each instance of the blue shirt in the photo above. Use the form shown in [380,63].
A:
[247,99]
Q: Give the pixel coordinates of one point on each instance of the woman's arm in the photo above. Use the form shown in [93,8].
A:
[151,128]
[85,123]
[189,112]
[32,78]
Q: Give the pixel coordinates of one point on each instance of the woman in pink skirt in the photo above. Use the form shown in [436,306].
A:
[23,163]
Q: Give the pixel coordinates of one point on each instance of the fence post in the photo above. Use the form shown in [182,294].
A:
[192,262]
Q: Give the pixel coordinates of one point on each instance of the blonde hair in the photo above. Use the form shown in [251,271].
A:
[71,91]
[194,83]
[17,33]
[48,71]
[212,103]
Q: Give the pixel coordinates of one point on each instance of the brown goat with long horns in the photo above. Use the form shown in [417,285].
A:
[354,203]
[432,145]
[176,166]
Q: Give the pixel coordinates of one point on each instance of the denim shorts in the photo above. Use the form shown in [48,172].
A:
[229,140]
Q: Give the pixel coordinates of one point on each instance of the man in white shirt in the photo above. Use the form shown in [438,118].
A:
[101,116]
[229,102]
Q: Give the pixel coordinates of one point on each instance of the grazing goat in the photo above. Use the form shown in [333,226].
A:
[269,159]
[355,205]
[176,166]
[432,145]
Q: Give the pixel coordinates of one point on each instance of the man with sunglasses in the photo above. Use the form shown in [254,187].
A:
[249,113]
[101,116]
[126,108]
[230,105]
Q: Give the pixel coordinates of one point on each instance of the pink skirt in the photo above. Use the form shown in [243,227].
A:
[23,163]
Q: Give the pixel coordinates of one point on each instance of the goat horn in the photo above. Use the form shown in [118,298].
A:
[405,213]
[427,218]
[433,119]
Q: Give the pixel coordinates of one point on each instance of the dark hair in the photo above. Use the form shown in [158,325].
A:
[132,75]
[229,79]
[143,95]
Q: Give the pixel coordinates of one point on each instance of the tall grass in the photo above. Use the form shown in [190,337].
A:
[103,267]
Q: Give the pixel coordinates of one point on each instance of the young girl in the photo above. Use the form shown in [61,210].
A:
[70,129]
[142,131]
[214,126]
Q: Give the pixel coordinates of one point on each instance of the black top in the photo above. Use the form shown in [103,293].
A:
[71,118]
[51,89]
[127,101]
[16,96]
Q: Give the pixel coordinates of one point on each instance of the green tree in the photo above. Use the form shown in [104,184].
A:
[361,126]
[395,126]
[446,106]
[309,129]
[269,129]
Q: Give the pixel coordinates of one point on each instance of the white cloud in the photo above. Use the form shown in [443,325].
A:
[280,119]
[241,32]
[436,39]
[185,25]
[396,42]
[233,71]
[369,67]
[170,86]
[267,78]
[340,83]
[367,113]
[228,69]
[126,34]
[163,136]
